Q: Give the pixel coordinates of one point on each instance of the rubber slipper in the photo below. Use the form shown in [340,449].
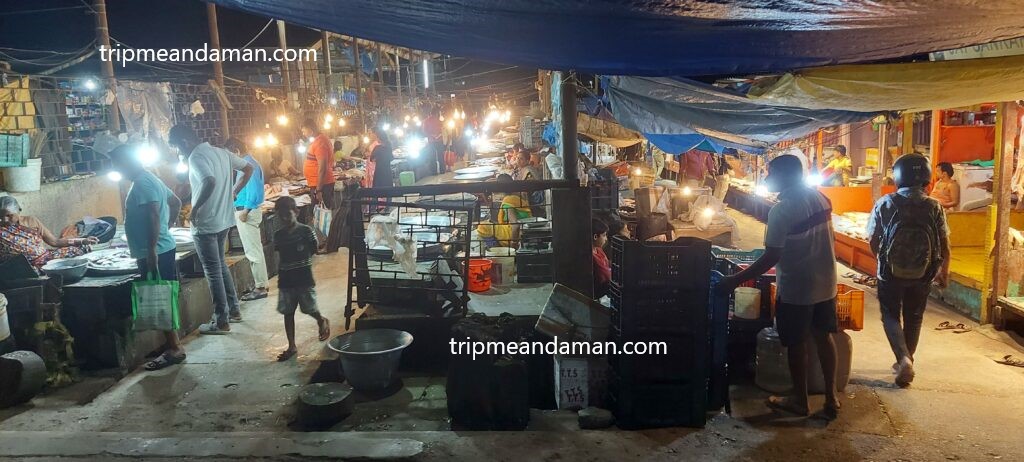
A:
[253,295]
[325,330]
[945,325]
[286,355]
[163,361]
[962,329]
[1010,360]
[784,405]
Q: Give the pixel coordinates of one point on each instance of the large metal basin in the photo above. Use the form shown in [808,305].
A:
[370,357]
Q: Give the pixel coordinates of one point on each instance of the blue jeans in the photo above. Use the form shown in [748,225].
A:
[210,248]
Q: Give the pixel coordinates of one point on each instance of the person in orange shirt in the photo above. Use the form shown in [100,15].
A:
[317,168]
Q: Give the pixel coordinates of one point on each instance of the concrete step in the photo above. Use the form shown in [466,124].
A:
[345,446]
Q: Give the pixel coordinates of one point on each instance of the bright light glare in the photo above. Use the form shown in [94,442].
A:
[463,115]
[182,167]
[282,120]
[334,101]
[341,122]
[687,191]
[451,124]
[399,132]
[366,140]
[271,140]
[311,139]
[114,176]
[301,148]
[761,190]
[148,155]
[408,117]
[385,126]
[258,142]
[405,125]
[90,84]
[328,118]
[327,125]
[708,212]
[813,180]
[468,133]
[416,119]
[419,124]
[638,171]
[414,145]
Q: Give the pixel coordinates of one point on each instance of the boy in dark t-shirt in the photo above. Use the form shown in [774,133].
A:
[295,244]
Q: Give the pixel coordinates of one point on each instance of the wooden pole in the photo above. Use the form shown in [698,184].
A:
[412,76]
[398,79]
[218,68]
[359,80]
[325,45]
[569,142]
[820,149]
[380,75]
[998,237]
[908,133]
[103,41]
[285,74]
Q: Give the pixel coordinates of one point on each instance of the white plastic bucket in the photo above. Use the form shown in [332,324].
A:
[24,179]
[5,328]
[748,303]
[503,271]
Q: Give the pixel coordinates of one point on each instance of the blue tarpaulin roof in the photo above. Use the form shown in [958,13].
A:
[675,106]
[659,37]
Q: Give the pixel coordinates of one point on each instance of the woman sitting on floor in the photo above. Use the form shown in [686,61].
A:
[25,235]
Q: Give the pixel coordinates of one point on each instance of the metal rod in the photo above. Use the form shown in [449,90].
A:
[359,80]
[325,44]
[569,143]
[285,74]
[380,75]
[398,78]
[103,41]
[218,68]
[470,188]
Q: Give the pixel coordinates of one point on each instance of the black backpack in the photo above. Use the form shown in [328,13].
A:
[910,242]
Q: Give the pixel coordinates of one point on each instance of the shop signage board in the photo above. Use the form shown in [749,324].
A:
[1010,47]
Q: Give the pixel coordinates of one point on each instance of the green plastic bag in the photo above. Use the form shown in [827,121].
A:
[155,305]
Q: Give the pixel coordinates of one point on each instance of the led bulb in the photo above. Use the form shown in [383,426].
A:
[341,122]
[328,118]
[271,140]
[366,140]
[282,120]
[385,126]
[147,155]
[258,142]
[334,101]
[638,171]
[114,176]
[90,84]
[301,148]
[327,125]
[451,124]
[687,191]
[468,133]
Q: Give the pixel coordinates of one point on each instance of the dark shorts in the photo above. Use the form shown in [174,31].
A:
[794,322]
[166,265]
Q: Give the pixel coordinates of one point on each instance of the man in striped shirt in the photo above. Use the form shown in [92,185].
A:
[296,244]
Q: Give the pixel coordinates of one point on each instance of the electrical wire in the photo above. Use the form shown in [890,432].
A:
[258,34]
[44,10]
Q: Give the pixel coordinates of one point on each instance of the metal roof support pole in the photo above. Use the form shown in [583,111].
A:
[218,67]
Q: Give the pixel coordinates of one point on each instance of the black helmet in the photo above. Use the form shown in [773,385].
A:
[912,170]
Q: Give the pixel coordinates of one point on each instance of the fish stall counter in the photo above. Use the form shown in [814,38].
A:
[97,309]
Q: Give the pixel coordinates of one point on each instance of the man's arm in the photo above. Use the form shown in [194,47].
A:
[762,265]
[874,229]
[174,204]
[325,169]
[204,194]
[246,174]
[152,211]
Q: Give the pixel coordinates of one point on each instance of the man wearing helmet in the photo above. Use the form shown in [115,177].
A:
[799,243]
[910,240]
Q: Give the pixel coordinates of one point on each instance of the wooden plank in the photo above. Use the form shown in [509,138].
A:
[997,275]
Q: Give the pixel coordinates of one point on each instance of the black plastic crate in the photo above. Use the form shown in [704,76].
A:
[654,406]
[604,195]
[659,311]
[684,263]
[684,361]
[534,267]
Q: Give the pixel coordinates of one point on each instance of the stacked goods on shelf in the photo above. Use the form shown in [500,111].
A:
[530,131]
[660,293]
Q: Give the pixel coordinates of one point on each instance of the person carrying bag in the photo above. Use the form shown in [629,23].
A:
[155,304]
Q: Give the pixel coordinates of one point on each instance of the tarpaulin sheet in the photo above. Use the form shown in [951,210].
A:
[658,105]
[910,86]
[659,37]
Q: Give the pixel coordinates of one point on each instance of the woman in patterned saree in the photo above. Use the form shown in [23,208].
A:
[24,235]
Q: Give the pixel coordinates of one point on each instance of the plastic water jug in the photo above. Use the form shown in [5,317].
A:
[772,371]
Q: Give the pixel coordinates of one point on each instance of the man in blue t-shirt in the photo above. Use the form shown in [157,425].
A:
[248,217]
[150,210]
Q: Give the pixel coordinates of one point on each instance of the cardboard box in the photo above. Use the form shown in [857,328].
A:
[580,381]
[570,315]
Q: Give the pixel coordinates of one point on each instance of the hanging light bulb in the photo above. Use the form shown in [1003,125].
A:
[271,140]
[385,126]
[687,191]
[90,84]
[341,122]
[328,118]
[405,125]
[408,117]
[147,155]
[258,142]
[463,114]
[638,171]
[327,125]
[468,133]
[282,120]
[451,124]
[366,139]
[114,176]
[441,118]
[334,101]
[399,132]
[301,148]
[419,124]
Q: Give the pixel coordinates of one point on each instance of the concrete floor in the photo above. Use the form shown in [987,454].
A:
[231,400]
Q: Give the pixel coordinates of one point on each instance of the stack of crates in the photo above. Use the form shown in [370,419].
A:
[660,293]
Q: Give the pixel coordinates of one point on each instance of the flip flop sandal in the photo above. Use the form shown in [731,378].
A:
[163,361]
[783,405]
[962,329]
[1010,360]
[850,275]
[945,325]
[254,295]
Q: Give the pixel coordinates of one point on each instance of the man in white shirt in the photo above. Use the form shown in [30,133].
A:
[799,244]
[210,173]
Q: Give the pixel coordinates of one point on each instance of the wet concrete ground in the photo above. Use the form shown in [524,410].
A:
[231,400]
